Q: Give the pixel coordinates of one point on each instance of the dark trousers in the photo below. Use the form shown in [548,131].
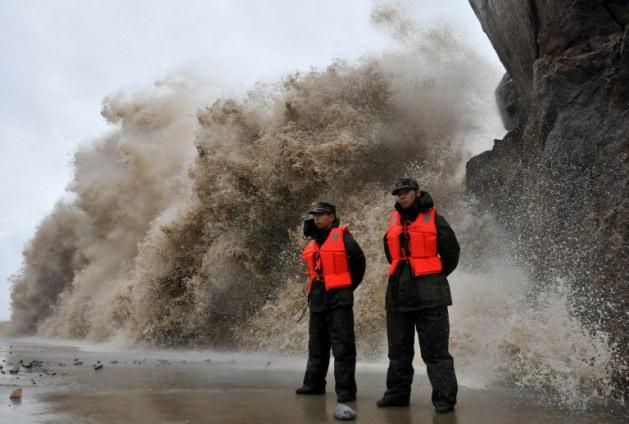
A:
[433,330]
[333,328]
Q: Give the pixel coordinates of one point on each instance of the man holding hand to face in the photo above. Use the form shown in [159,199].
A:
[336,266]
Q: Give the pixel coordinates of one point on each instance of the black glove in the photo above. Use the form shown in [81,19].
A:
[309,228]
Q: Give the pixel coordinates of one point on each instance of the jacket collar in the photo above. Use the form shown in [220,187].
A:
[422,204]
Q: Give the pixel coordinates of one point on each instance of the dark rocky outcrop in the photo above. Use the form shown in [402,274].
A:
[558,180]
[509,103]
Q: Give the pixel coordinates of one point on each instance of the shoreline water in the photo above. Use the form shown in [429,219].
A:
[175,386]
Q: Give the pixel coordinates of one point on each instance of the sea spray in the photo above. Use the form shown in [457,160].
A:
[185,228]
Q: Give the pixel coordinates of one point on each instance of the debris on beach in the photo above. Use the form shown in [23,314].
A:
[344,413]
[16,394]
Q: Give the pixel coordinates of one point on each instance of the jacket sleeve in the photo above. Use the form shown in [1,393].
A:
[386,248]
[356,259]
[447,245]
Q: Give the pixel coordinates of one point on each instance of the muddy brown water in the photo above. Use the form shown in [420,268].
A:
[220,387]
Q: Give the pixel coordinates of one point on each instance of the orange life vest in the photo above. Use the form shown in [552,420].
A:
[422,243]
[328,262]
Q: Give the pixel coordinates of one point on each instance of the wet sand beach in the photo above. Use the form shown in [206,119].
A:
[219,387]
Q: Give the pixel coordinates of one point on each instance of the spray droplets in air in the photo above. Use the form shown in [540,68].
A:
[185,223]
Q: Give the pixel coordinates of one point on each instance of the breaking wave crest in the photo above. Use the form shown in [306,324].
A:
[184,226]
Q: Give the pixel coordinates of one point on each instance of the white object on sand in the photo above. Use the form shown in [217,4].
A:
[344,413]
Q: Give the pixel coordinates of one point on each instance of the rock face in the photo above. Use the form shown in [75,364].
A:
[559,180]
[509,103]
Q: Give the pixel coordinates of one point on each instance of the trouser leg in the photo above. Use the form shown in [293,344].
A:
[433,330]
[400,336]
[341,325]
[318,351]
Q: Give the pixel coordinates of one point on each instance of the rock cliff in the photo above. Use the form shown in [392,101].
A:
[558,180]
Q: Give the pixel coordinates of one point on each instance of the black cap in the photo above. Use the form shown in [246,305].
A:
[323,207]
[405,183]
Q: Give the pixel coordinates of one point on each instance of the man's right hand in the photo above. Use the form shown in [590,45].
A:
[309,227]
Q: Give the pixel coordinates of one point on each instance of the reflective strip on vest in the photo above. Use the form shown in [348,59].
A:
[328,262]
[422,242]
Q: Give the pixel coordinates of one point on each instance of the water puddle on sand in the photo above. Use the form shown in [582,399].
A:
[219,387]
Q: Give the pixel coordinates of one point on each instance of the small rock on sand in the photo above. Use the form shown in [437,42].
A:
[16,393]
[344,413]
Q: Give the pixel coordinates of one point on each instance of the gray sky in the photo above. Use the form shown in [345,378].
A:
[60,58]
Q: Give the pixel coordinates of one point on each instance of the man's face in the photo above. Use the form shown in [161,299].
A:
[406,197]
[323,220]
